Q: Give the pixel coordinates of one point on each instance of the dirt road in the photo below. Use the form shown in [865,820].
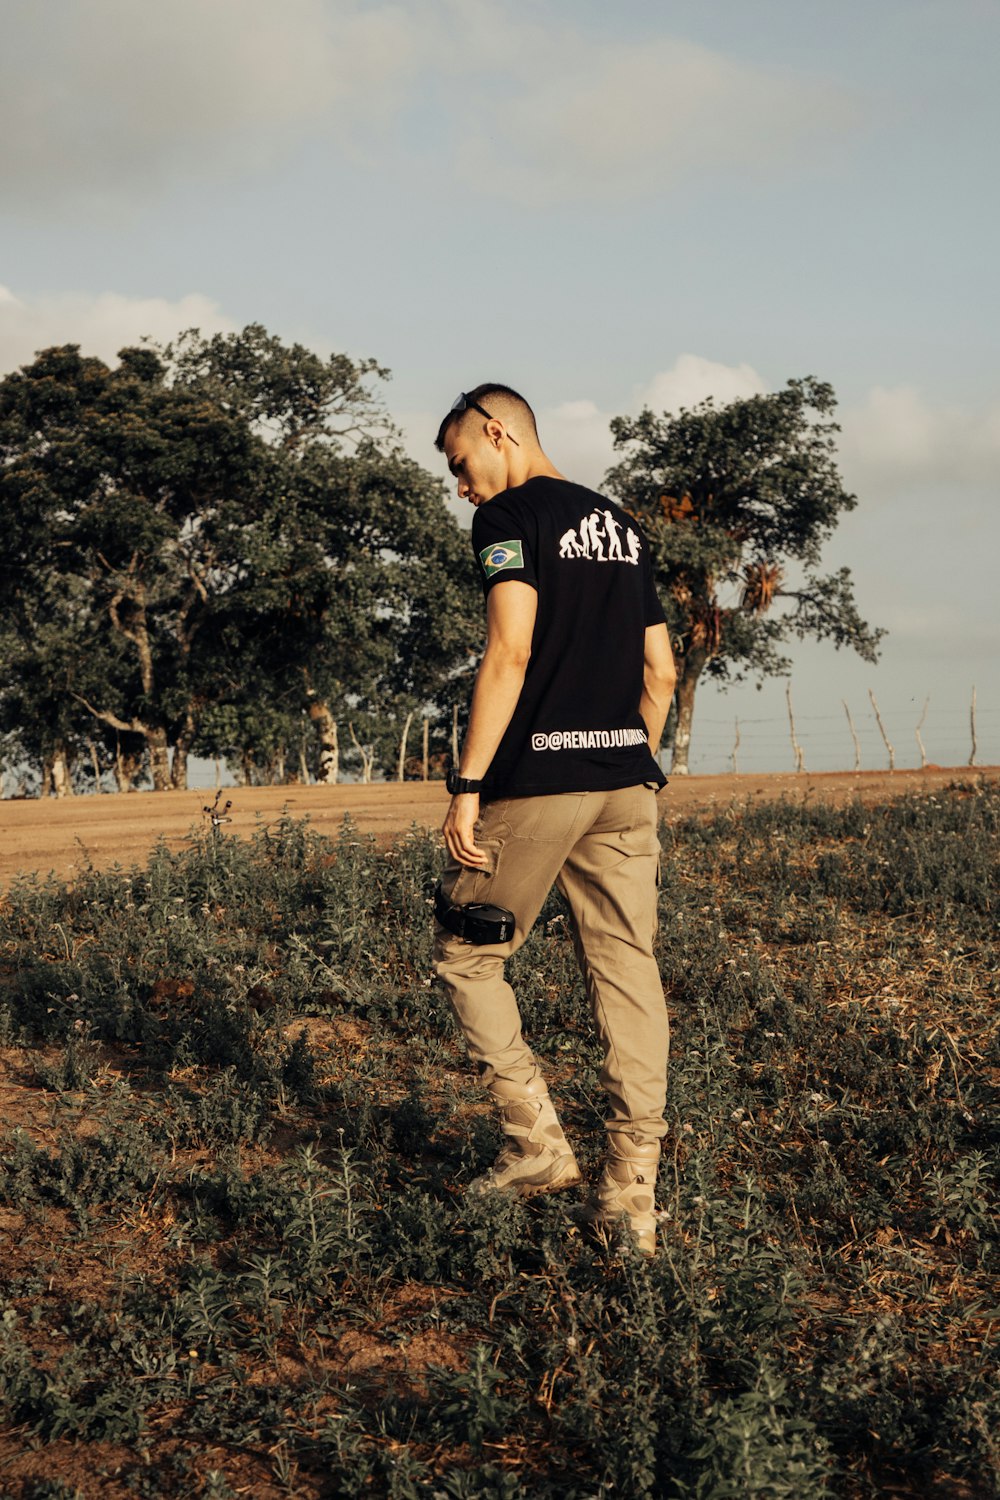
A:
[64,836]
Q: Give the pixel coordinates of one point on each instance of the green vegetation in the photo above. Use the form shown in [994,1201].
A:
[237,1254]
[728,497]
[219,548]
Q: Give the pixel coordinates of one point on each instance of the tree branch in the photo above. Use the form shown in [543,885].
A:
[112,720]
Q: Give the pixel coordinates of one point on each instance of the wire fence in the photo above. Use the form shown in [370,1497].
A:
[845,739]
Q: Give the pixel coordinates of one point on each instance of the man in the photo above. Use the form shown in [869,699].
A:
[557,783]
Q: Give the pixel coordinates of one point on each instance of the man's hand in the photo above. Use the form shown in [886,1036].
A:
[459,831]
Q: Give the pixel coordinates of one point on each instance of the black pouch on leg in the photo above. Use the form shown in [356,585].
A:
[476,922]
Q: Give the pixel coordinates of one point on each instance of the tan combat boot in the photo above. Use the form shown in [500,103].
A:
[626,1189]
[539,1158]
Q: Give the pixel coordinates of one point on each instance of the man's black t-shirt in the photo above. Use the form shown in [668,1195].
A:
[577,726]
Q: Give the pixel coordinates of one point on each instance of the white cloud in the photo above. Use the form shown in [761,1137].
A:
[583,117]
[692,379]
[576,434]
[120,97]
[895,441]
[576,437]
[898,440]
[101,324]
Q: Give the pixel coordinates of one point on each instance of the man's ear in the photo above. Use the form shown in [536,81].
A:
[495,432]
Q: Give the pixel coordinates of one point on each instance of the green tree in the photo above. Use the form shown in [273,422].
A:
[358,603]
[289,395]
[133,495]
[740,498]
[208,541]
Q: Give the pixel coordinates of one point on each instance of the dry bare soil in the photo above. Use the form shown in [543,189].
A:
[65,837]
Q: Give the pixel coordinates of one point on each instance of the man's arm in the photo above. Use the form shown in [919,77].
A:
[659,678]
[510,622]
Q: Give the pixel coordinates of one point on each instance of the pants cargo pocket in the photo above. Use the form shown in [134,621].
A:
[463,885]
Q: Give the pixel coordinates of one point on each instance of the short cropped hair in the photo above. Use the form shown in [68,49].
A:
[483,394]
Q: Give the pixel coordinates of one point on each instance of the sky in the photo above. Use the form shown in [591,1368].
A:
[606,207]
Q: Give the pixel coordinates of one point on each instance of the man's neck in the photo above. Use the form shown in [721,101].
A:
[536,465]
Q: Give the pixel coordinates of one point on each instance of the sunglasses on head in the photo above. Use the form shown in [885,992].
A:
[462,402]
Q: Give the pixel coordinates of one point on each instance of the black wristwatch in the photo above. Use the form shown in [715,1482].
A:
[457,784]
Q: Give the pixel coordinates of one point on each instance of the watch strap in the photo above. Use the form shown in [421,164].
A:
[457,784]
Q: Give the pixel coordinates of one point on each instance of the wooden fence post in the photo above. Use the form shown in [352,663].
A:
[920,725]
[736,746]
[426,746]
[799,761]
[888,746]
[972,723]
[854,736]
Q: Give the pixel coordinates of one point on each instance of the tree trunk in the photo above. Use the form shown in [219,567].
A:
[402,746]
[59,775]
[692,665]
[159,759]
[329,748]
[670,727]
[182,749]
[127,768]
[136,630]
[367,756]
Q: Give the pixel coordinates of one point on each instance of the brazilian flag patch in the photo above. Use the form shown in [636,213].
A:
[500,555]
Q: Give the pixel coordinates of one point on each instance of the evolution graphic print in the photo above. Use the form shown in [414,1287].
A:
[601,543]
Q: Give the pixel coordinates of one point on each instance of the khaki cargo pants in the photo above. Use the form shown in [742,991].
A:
[602,850]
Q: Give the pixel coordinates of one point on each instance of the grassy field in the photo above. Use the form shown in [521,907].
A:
[237,1258]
